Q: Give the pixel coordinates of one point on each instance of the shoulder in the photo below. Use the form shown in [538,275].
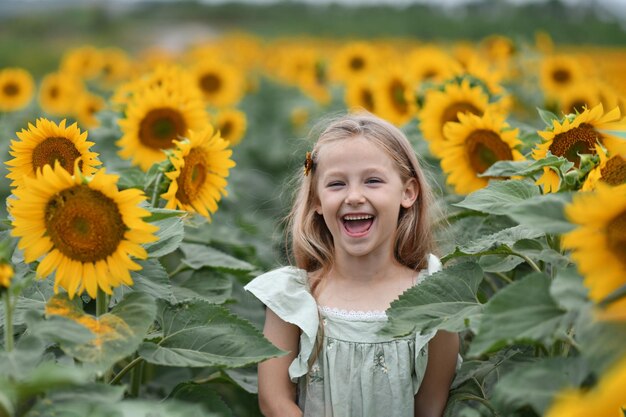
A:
[284,278]
[434,265]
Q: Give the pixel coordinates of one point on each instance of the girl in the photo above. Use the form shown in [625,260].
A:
[360,236]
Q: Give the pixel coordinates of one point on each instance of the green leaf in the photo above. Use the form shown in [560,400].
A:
[600,342]
[506,237]
[202,394]
[527,167]
[152,279]
[499,263]
[568,289]
[537,383]
[127,408]
[548,117]
[204,284]
[170,234]
[198,334]
[117,334]
[58,329]
[132,177]
[522,311]
[157,214]
[543,213]
[199,256]
[499,196]
[445,300]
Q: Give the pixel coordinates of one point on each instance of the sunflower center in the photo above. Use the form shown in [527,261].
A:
[561,76]
[54,92]
[160,127]
[226,129]
[84,224]
[56,149]
[210,83]
[484,148]
[192,176]
[616,236]
[450,113]
[396,91]
[357,63]
[429,74]
[576,141]
[367,99]
[614,172]
[11,89]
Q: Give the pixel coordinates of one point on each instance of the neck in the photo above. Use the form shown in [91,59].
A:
[364,269]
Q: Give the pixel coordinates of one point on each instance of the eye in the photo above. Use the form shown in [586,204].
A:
[373,180]
[334,184]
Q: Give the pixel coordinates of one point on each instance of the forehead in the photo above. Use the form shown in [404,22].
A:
[353,152]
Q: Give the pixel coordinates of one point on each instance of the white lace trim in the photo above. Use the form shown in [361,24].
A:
[354,315]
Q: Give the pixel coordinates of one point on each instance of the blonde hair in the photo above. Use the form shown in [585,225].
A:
[310,239]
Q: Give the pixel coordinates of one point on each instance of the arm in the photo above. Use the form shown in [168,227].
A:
[432,396]
[277,394]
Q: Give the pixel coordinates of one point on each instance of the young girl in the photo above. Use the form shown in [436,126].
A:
[360,236]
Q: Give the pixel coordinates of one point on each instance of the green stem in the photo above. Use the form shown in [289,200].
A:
[503,277]
[8,322]
[180,268]
[529,261]
[136,377]
[102,303]
[155,190]
[125,370]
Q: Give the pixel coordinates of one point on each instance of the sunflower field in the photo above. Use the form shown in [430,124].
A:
[145,186]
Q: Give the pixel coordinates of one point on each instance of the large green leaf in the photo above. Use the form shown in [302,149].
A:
[536,384]
[445,300]
[152,279]
[498,197]
[202,394]
[128,408]
[600,342]
[568,289]
[206,284]
[198,334]
[117,334]
[199,256]
[522,311]
[543,213]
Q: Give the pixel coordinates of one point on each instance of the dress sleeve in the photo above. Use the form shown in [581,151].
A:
[285,291]
[422,339]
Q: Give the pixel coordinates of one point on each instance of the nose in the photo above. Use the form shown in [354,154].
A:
[355,197]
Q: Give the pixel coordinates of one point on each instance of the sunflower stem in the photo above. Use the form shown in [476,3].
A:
[529,261]
[117,378]
[503,277]
[136,376]
[155,190]
[101,303]
[8,322]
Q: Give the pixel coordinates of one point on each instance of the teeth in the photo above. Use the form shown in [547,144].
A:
[363,217]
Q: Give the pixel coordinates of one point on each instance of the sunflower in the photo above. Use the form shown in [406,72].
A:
[201,163]
[353,60]
[441,107]
[116,66]
[47,143]
[231,124]
[473,145]
[83,227]
[394,96]
[598,243]
[221,84]
[58,92]
[16,89]
[605,399]
[430,63]
[610,170]
[578,134]
[86,108]
[6,274]
[558,72]
[84,62]
[577,97]
[154,119]
[359,94]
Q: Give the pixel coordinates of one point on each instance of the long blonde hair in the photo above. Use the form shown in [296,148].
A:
[311,242]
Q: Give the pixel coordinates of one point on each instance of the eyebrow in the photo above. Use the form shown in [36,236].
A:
[366,171]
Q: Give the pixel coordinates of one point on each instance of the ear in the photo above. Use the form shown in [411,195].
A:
[317,207]
[410,193]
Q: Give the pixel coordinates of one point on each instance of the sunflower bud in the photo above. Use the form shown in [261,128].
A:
[6,274]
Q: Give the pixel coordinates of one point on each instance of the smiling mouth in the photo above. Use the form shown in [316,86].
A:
[357,225]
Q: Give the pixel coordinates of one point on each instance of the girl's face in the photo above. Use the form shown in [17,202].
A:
[360,194]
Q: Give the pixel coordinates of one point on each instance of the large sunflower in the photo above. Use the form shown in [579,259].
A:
[83,229]
[231,124]
[598,244]
[352,61]
[611,170]
[154,119]
[473,145]
[58,92]
[47,143]
[441,107]
[201,165]
[221,84]
[558,72]
[16,89]
[578,134]
[577,97]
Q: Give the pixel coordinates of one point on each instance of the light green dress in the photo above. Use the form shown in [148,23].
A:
[357,372]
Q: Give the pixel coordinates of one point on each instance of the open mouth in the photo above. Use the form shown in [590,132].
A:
[357,224]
